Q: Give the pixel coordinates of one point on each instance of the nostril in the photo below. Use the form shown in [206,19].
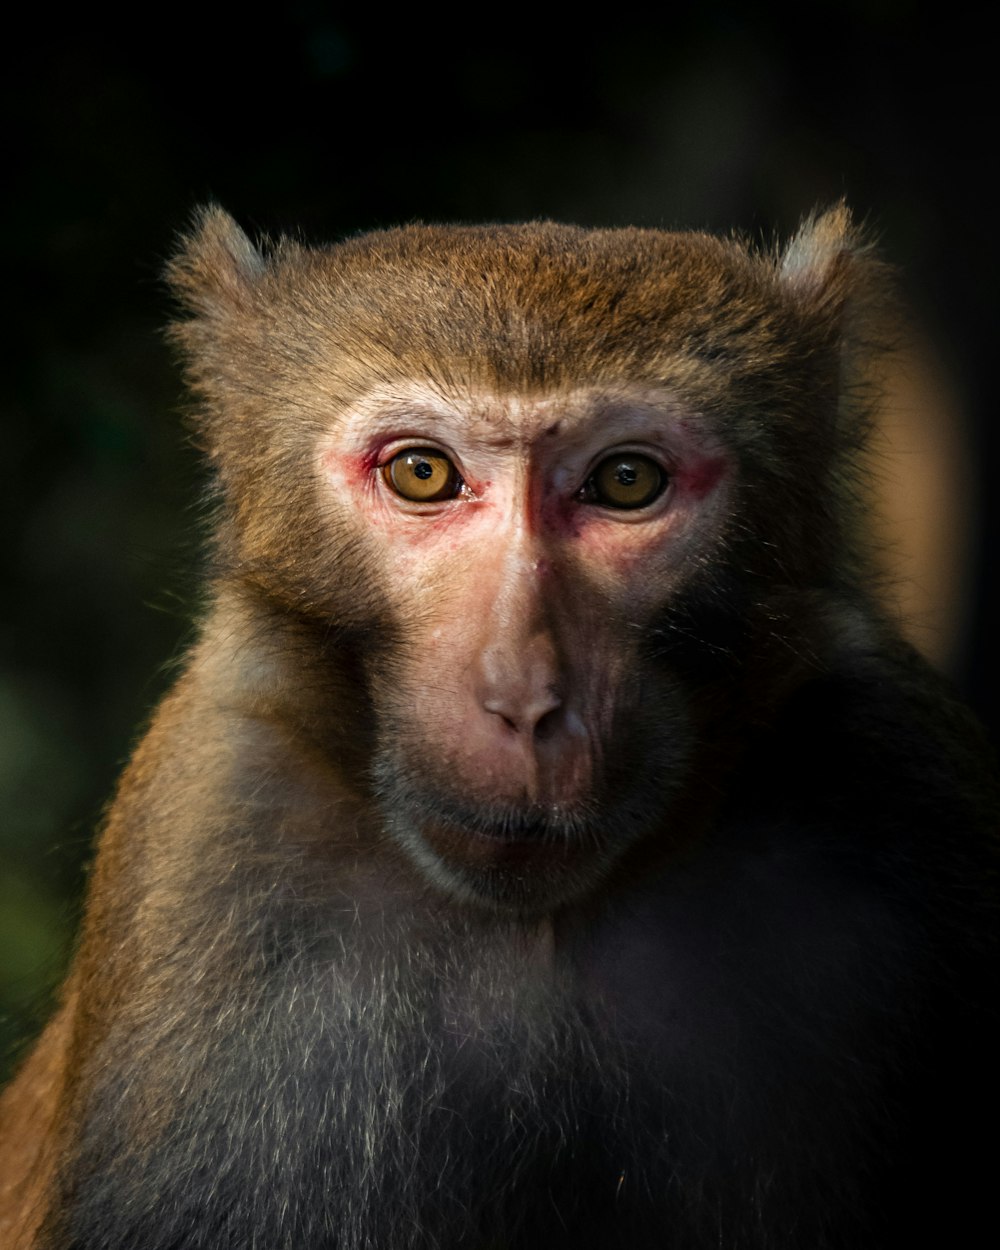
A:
[503,716]
[530,714]
[547,725]
[518,681]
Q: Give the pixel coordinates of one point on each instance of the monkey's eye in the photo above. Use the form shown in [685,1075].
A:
[625,480]
[423,475]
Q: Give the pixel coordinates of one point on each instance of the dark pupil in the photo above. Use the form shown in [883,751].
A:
[625,475]
[423,469]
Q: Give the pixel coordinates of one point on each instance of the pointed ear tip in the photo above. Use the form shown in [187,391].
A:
[831,228]
[213,251]
[212,227]
[820,245]
[834,224]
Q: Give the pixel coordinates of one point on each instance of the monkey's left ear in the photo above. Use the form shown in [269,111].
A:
[828,268]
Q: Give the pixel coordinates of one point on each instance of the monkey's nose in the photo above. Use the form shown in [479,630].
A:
[529,714]
[521,685]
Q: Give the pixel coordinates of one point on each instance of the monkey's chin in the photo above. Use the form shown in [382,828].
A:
[514,863]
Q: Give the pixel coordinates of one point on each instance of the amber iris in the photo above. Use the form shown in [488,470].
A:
[423,475]
[625,481]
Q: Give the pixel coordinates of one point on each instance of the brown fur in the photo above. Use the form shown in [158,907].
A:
[698,1004]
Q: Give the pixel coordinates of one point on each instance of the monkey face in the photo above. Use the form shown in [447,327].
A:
[545,486]
[525,547]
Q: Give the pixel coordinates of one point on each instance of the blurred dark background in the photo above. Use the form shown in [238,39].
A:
[328,120]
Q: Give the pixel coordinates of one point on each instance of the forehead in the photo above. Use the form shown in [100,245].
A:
[509,419]
[525,309]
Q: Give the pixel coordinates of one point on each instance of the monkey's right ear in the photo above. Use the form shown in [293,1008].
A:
[218,277]
[217,268]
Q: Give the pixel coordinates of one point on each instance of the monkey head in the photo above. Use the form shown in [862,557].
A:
[547,493]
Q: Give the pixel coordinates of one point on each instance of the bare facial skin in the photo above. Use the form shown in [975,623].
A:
[523,588]
[547,842]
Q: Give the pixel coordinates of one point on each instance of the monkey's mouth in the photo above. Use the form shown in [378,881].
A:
[528,860]
[506,839]
[553,827]
[527,856]
[526,863]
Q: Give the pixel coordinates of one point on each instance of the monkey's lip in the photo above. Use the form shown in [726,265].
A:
[503,845]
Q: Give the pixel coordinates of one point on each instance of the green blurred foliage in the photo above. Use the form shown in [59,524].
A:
[332,120]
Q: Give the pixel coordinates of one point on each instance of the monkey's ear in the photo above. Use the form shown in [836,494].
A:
[218,277]
[827,265]
[821,241]
[217,268]
[844,294]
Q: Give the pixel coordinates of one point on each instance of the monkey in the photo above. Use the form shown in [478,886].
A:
[547,841]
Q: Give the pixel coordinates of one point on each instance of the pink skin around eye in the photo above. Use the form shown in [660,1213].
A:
[551,511]
[558,514]
[690,482]
[699,476]
[357,470]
